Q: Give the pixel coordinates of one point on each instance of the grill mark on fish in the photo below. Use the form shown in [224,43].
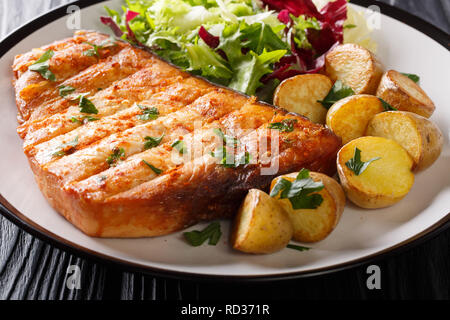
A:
[131,173]
[167,101]
[119,96]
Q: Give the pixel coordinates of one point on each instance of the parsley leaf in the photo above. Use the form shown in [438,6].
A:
[155,170]
[148,113]
[151,142]
[197,238]
[356,165]
[94,50]
[298,248]
[180,146]
[413,77]
[84,119]
[42,66]
[65,147]
[286,125]
[86,105]
[338,92]
[229,140]
[65,90]
[387,106]
[231,161]
[299,191]
[116,156]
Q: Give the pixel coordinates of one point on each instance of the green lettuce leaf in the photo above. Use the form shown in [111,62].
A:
[252,68]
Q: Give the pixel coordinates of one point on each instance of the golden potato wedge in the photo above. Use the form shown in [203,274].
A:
[300,94]
[385,181]
[312,225]
[419,136]
[404,94]
[348,118]
[261,225]
[354,65]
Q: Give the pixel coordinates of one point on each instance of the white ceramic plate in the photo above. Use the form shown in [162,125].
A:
[360,235]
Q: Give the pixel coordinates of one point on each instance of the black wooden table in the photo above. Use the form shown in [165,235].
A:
[32,269]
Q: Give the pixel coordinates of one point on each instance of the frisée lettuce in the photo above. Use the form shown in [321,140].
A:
[243,44]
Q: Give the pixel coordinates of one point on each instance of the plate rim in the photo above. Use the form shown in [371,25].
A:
[20,220]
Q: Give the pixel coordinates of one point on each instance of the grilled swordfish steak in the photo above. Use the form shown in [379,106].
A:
[107,129]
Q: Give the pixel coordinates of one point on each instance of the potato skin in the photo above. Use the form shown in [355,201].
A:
[300,94]
[348,118]
[404,94]
[419,136]
[355,66]
[261,225]
[312,225]
[385,182]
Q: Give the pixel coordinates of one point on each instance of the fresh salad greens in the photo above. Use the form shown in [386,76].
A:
[242,44]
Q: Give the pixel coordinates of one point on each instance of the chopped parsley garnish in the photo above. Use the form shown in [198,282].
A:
[94,51]
[65,90]
[42,66]
[232,161]
[148,113]
[298,248]
[212,233]
[155,170]
[101,178]
[286,125]
[356,165]
[83,119]
[86,105]
[180,146]
[65,147]
[413,77]
[300,192]
[115,157]
[229,140]
[338,92]
[151,142]
[387,106]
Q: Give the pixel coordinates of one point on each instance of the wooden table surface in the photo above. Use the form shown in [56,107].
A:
[32,269]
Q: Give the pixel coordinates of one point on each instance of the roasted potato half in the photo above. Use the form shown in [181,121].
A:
[261,225]
[300,94]
[348,118]
[385,181]
[419,136]
[312,225]
[356,66]
[404,94]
